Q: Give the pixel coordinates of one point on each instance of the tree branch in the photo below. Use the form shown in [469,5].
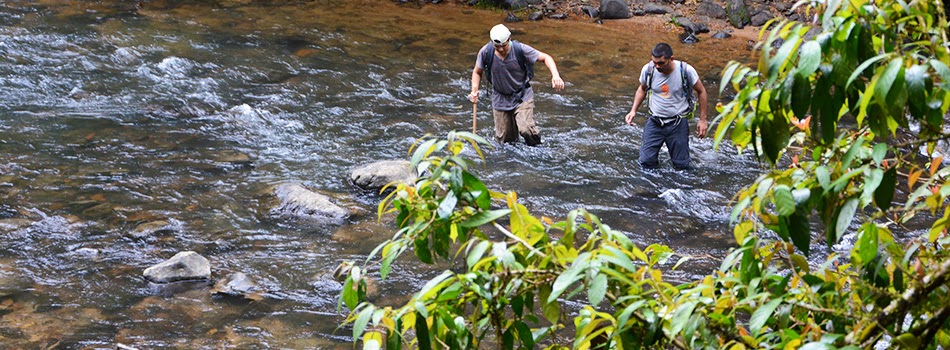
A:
[911,297]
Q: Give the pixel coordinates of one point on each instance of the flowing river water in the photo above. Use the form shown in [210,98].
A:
[119,114]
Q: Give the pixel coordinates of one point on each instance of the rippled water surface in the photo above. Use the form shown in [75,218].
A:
[132,131]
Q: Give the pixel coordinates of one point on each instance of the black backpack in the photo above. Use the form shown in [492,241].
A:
[488,56]
[687,87]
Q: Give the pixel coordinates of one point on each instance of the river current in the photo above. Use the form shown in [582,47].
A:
[180,115]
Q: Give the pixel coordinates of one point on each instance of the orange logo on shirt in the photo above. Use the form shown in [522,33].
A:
[665,91]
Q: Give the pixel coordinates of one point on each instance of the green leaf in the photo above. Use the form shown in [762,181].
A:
[918,86]
[942,70]
[727,74]
[478,190]
[421,246]
[551,311]
[824,178]
[889,81]
[386,266]
[880,151]
[784,202]
[681,317]
[598,289]
[801,95]
[628,311]
[476,253]
[864,65]
[809,58]
[350,296]
[865,249]
[907,341]
[360,325]
[394,337]
[447,207]
[484,217]
[761,316]
[799,231]
[568,277]
[782,55]
[852,151]
[422,151]
[885,191]
[871,182]
[422,333]
[428,290]
[525,335]
[816,346]
[845,216]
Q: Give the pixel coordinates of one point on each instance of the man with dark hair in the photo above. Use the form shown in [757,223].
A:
[670,85]
[509,66]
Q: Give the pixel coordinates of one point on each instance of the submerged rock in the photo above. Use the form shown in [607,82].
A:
[238,284]
[296,201]
[375,176]
[183,266]
[13,224]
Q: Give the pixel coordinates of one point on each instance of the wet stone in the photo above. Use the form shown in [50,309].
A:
[11,281]
[98,212]
[375,176]
[365,233]
[237,284]
[89,253]
[183,266]
[105,172]
[721,35]
[233,157]
[152,228]
[296,201]
[79,206]
[13,224]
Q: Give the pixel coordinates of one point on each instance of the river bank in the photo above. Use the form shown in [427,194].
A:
[705,18]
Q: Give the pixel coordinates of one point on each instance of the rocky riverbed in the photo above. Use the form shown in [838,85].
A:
[694,16]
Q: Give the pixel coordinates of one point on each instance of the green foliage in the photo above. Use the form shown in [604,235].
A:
[825,113]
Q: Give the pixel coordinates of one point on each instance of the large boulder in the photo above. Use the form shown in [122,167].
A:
[296,201]
[656,9]
[737,13]
[760,19]
[375,176]
[614,9]
[711,9]
[184,266]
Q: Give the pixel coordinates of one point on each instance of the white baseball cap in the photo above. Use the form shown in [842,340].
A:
[499,34]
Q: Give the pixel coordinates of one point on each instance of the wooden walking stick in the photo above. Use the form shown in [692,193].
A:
[474,112]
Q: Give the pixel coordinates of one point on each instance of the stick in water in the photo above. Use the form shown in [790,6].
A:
[474,111]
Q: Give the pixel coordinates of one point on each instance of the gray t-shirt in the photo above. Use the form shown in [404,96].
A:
[667,98]
[507,77]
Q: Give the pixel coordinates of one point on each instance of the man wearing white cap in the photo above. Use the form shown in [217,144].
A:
[509,66]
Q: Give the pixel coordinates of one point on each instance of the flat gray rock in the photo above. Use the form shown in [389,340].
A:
[184,266]
[296,201]
[375,176]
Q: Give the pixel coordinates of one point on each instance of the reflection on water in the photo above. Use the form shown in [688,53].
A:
[132,131]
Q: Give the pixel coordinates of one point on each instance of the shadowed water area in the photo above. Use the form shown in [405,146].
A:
[179,116]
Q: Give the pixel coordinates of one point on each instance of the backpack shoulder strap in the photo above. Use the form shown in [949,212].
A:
[523,61]
[488,55]
[650,68]
[687,86]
